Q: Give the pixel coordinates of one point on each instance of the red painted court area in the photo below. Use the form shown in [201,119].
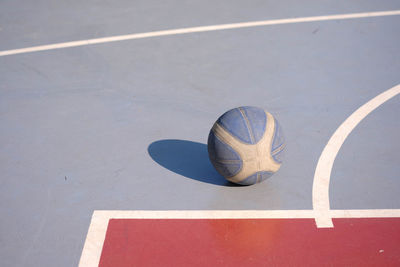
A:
[251,242]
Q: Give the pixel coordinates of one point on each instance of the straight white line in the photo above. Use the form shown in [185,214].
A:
[197,29]
[98,227]
[95,238]
[322,176]
[207,214]
[239,214]
[371,213]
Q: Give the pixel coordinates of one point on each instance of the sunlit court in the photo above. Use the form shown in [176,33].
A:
[200,133]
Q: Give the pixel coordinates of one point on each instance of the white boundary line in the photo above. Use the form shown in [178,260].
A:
[98,227]
[321,209]
[322,213]
[323,170]
[197,29]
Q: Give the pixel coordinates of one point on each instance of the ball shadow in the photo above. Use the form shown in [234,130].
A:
[187,158]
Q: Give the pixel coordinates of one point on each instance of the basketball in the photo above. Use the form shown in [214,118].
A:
[246,145]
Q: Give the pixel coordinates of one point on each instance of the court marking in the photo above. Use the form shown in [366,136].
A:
[322,175]
[321,209]
[98,226]
[322,213]
[196,30]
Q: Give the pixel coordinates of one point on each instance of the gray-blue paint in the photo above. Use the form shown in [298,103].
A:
[89,113]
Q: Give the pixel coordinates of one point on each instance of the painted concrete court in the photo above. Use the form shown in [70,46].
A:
[251,242]
[122,125]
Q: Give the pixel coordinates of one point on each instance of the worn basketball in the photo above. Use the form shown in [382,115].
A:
[246,145]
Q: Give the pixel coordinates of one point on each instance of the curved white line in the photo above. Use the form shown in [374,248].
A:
[320,192]
[197,29]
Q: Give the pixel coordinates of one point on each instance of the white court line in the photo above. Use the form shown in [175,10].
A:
[321,209]
[197,29]
[322,176]
[98,227]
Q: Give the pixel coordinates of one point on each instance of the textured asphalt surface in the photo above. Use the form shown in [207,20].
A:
[124,125]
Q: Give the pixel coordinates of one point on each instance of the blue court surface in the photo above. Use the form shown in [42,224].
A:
[106,106]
